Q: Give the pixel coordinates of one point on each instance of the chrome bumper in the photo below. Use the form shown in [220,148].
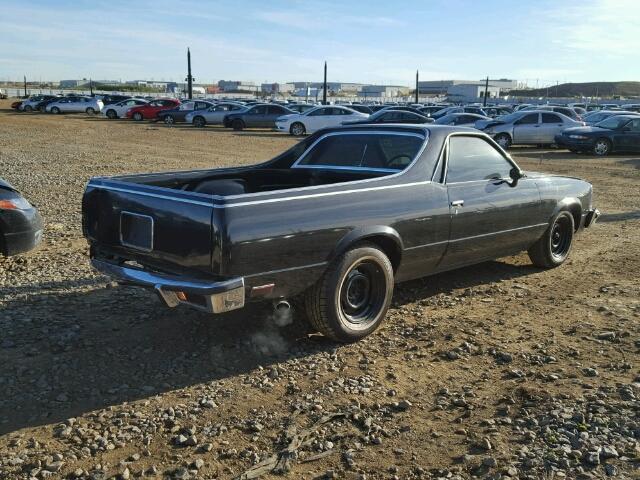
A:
[591,217]
[212,297]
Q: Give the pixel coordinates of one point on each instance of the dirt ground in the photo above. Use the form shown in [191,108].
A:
[500,370]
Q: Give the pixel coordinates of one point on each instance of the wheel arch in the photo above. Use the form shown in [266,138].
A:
[384,237]
[571,205]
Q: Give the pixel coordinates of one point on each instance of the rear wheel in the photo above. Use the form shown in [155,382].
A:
[503,139]
[55,110]
[137,116]
[602,147]
[297,129]
[351,299]
[169,120]
[28,108]
[553,248]
[199,121]
[111,113]
[237,124]
[90,111]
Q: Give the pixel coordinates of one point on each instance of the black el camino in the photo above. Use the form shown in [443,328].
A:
[619,133]
[335,221]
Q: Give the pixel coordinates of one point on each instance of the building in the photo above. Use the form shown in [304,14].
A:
[238,86]
[382,91]
[471,92]
[73,83]
[333,87]
[276,88]
[439,87]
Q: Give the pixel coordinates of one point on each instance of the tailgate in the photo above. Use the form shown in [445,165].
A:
[161,227]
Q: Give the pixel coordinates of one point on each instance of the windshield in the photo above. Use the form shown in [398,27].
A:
[613,123]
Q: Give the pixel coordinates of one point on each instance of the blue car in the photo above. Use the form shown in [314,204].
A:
[620,133]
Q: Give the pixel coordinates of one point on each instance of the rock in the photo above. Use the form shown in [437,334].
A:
[608,452]
[191,441]
[489,462]
[197,464]
[590,372]
[610,336]
[181,474]
[125,475]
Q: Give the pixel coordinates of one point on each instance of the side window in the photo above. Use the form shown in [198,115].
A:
[275,110]
[261,110]
[551,118]
[320,111]
[530,119]
[635,125]
[472,158]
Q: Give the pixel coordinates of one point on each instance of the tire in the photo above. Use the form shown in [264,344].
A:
[503,139]
[28,109]
[237,124]
[138,117]
[90,111]
[199,122]
[111,114]
[351,299]
[552,249]
[169,120]
[602,147]
[297,129]
[55,110]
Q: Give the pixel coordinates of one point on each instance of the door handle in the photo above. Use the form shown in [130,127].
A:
[457,203]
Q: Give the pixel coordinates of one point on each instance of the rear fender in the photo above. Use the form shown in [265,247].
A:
[384,236]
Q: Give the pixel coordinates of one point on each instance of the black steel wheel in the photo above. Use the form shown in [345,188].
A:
[353,296]
[552,249]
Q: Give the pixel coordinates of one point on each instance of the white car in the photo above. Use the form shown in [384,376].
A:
[213,115]
[119,109]
[318,118]
[90,105]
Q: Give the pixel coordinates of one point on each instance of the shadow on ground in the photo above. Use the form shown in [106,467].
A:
[63,354]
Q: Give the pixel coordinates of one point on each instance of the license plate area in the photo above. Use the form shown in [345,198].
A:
[136,231]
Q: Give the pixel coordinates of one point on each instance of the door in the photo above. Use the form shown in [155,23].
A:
[526,129]
[552,124]
[627,138]
[317,119]
[256,116]
[273,112]
[491,216]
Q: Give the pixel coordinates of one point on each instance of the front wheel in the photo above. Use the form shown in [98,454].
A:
[55,110]
[297,129]
[199,122]
[351,299]
[602,147]
[237,124]
[503,140]
[90,111]
[137,116]
[28,108]
[169,120]
[552,249]
[111,114]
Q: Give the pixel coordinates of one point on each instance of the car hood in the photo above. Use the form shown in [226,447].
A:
[6,185]
[579,130]
[482,124]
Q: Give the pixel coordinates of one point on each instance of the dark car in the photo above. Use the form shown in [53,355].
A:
[593,118]
[403,108]
[178,114]
[111,99]
[337,220]
[461,119]
[429,110]
[393,116]
[20,222]
[257,116]
[42,106]
[619,133]
[360,108]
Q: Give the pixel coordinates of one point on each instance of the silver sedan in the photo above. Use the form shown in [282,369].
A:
[213,115]
[527,127]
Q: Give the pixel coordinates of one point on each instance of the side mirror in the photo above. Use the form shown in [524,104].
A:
[515,174]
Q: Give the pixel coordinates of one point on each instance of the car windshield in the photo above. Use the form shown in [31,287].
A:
[612,123]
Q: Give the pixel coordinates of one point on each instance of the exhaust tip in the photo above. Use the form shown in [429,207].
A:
[281,305]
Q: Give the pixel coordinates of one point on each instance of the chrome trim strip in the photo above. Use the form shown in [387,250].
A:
[154,195]
[290,269]
[426,245]
[498,233]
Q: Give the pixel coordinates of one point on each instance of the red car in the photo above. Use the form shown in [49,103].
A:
[151,109]
[15,105]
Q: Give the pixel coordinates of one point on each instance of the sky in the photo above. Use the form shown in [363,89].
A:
[540,42]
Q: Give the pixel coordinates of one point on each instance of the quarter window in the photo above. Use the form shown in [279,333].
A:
[382,152]
[473,158]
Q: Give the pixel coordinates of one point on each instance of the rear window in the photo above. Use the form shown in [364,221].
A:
[386,152]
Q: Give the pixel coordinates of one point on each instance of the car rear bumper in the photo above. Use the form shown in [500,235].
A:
[21,231]
[210,296]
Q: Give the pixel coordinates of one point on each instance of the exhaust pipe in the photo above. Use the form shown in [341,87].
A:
[281,306]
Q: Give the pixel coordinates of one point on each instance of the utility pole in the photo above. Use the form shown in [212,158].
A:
[417,78]
[324,85]
[557,82]
[189,78]
[25,86]
[486,91]
[91,86]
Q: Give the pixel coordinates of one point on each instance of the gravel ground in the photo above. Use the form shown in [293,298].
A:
[496,371]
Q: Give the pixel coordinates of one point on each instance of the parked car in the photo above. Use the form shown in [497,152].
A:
[619,133]
[20,222]
[566,111]
[461,119]
[403,108]
[594,118]
[360,108]
[150,111]
[392,116]
[42,106]
[3,94]
[256,116]
[324,116]
[214,115]
[111,99]
[16,105]
[217,239]
[30,104]
[119,109]
[526,127]
[465,109]
[178,114]
[89,105]
[494,112]
[429,110]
